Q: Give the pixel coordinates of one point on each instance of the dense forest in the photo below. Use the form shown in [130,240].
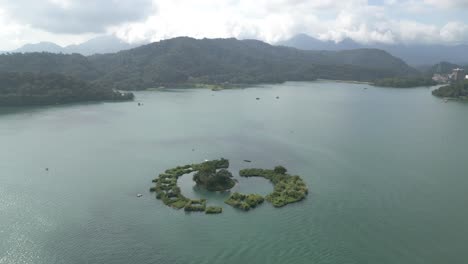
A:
[405,82]
[220,61]
[18,89]
[455,90]
[187,61]
[42,62]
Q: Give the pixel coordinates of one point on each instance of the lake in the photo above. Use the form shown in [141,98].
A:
[386,169]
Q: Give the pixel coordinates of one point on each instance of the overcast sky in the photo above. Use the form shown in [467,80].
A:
[390,21]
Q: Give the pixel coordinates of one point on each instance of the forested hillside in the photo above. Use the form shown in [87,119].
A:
[188,61]
[42,62]
[18,89]
[455,90]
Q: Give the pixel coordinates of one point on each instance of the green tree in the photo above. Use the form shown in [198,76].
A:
[280,170]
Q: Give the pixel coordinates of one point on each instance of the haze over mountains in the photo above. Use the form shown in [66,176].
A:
[415,54]
[98,45]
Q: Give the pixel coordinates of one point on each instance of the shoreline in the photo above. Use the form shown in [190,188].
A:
[346,81]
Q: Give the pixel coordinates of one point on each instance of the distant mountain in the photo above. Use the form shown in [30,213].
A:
[40,47]
[306,42]
[412,54]
[102,44]
[99,45]
[187,61]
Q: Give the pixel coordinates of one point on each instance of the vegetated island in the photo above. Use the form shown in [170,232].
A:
[209,177]
[169,193]
[457,90]
[244,201]
[214,176]
[405,82]
[287,188]
[25,89]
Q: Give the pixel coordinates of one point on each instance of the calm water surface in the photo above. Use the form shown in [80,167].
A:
[387,171]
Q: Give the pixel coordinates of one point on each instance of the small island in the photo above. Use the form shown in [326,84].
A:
[287,189]
[169,193]
[210,178]
[214,176]
[244,201]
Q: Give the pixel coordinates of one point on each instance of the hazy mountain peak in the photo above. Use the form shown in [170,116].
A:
[306,42]
[412,53]
[41,47]
[101,44]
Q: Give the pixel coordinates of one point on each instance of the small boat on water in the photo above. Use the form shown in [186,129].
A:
[139,195]
[247,161]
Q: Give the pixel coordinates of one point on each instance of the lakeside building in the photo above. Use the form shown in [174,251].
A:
[458,75]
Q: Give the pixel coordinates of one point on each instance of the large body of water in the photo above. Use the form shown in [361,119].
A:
[386,168]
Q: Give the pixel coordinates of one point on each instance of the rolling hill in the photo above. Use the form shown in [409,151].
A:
[188,61]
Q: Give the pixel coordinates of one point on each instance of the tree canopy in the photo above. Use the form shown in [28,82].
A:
[18,89]
[455,90]
[187,61]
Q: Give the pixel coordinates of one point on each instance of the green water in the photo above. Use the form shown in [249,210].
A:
[386,168]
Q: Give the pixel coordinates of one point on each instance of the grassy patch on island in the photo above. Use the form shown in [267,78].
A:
[213,210]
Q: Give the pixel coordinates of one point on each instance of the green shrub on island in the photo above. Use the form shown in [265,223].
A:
[213,210]
[208,165]
[179,203]
[280,170]
[287,189]
[244,201]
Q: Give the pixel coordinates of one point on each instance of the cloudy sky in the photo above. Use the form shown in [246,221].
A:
[391,21]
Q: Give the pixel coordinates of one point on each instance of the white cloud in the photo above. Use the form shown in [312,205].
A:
[75,16]
[266,20]
[391,21]
[454,32]
[280,19]
[14,35]
[448,3]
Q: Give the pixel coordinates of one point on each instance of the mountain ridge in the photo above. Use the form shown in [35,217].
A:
[97,45]
[189,61]
[413,54]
